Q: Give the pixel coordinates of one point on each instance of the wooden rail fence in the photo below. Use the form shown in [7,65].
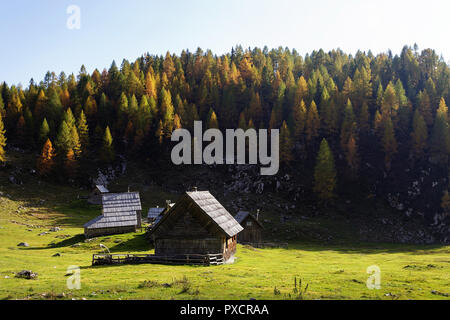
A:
[187,259]
[262,245]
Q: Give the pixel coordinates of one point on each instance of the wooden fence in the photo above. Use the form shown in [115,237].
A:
[262,245]
[187,259]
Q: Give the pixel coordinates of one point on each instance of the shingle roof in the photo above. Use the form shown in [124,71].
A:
[153,213]
[102,188]
[126,219]
[211,207]
[114,203]
[242,215]
[157,221]
[216,212]
[119,210]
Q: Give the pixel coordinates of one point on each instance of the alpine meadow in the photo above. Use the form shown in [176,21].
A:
[363,179]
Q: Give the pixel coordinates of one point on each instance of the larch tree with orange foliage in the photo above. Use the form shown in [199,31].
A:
[46,160]
[2,141]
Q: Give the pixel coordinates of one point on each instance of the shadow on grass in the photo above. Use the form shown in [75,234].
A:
[137,243]
[62,244]
[68,242]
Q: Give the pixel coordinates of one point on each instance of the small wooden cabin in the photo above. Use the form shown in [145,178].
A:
[96,195]
[121,213]
[252,227]
[153,213]
[196,224]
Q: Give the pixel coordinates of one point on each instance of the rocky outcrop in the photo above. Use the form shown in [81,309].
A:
[27,274]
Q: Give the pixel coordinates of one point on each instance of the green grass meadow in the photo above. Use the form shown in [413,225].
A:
[330,271]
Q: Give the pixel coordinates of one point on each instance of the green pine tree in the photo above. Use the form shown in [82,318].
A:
[285,144]
[312,122]
[389,143]
[63,139]
[325,173]
[347,125]
[419,135]
[440,136]
[167,112]
[44,132]
[83,132]
[107,151]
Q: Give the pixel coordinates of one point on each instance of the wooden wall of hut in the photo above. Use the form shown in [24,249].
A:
[187,246]
[185,233]
[228,247]
[189,231]
[250,234]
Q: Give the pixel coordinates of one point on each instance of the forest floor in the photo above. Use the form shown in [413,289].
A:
[330,270]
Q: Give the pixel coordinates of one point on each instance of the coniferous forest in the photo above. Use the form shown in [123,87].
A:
[377,121]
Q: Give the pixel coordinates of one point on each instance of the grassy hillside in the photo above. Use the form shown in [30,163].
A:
[331,271]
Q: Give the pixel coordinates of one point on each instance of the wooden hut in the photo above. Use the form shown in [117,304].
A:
[121,213]
[153,213]
[252,227]
[96,195]
[196,224]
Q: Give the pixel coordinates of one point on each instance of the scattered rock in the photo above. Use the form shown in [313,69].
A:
[27,274]
[440,293]
[23,244]
[13,180]
[356,281]
[76,245]
[43,233]
[55,229]
[57,254]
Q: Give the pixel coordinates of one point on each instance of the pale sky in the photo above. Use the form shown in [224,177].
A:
[34,37]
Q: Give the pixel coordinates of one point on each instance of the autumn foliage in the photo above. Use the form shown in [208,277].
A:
[46,160]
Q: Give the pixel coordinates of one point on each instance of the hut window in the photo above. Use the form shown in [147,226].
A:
[249,223]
